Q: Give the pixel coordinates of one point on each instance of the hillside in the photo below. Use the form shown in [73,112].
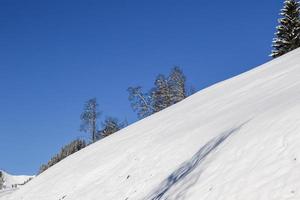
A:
[238,139]
[12,182]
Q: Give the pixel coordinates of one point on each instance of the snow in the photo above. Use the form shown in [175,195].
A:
[238,139]
[10,180]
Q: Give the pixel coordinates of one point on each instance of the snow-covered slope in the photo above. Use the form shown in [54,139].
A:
[12,182]
[238,139]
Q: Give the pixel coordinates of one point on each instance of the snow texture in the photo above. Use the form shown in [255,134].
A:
[236,140]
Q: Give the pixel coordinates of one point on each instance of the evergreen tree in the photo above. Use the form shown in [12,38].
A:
[177,85]
[161,94]
[67,150]
[110,126]
[288,31]
[170,90]
[89,118]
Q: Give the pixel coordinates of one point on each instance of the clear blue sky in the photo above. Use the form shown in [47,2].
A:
[54,55]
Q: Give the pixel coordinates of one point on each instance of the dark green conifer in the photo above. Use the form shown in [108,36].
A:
[288,31]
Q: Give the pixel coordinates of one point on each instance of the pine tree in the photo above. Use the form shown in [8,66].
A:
[89,118]
[169,90]
[177,85]
[161,93]
[110,126]
[288,31]
[65,151]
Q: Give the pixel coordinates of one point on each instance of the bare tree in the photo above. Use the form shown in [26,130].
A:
[89,118]
[140,102]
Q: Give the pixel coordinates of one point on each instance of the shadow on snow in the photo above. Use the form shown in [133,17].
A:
[176,184]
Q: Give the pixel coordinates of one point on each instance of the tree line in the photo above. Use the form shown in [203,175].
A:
[65,151]
[167,90]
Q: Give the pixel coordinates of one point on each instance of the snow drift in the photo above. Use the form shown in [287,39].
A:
[238,139]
